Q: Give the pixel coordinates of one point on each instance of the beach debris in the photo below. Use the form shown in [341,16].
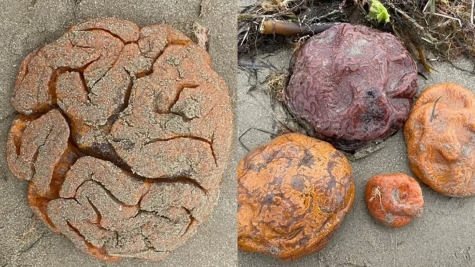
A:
[378,12]
[292,28]
[431,30]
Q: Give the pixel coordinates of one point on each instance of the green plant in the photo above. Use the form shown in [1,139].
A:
[378,11]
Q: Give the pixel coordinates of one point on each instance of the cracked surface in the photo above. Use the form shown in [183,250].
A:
[293,194]
[123,135]
[394,199]
[440,138]
[352,84]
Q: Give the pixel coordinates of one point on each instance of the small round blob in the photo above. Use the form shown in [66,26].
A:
[394,199]
[440,138]
[352,84]
[123,134]
[293,194]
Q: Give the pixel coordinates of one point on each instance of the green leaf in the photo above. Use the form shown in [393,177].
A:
[378,12]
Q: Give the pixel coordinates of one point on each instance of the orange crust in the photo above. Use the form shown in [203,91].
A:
[293,194]
[124,135]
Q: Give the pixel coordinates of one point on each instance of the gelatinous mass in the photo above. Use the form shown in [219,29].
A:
[293,194]
[394,199]
[123,135]
[352,84]
[440,138]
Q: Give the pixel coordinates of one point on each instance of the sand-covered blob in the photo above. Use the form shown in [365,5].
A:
[123,135]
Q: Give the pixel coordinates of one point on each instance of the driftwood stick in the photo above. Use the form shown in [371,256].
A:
[292,28]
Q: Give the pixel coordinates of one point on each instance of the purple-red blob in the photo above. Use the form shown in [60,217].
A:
[352,84]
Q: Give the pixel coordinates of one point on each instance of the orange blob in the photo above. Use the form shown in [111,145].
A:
[293,194]
[394,199]
[440,138]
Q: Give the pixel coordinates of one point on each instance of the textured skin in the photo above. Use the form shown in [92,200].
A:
[293,194]
[394,199]
[353,84]
[124,135]
[440,138]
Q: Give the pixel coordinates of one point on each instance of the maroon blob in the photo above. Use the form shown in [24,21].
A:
[352,84]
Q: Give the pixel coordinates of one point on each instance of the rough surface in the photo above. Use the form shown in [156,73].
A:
[27,24]
[352,84]
[394,199]
[293,194]
[440,137]
[151,129]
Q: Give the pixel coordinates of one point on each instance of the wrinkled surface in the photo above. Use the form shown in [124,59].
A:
[293,194]
[440,138]
[352,84]
[124,134]
[394,199]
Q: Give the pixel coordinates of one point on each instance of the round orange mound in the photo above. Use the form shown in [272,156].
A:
[440,138]
[124,135]
[293,194]
[394,199]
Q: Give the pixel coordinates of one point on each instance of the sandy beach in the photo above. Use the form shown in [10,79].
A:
[443,236]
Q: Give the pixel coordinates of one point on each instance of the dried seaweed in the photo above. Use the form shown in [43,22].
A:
[444,28]
[305,12]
